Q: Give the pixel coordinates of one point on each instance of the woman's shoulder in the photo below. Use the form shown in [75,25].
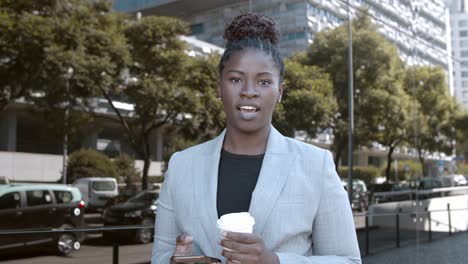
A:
[304,147]
[194,151]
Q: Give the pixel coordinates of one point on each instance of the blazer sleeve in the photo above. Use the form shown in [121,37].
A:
[166,229]
[333,235]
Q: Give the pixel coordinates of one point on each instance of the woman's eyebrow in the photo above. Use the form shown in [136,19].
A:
[235,71]
[264,73]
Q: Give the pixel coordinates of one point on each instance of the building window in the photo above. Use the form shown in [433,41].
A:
[463,33]
[463,43]
[462,23]
[294,6]
[465,84]
[464,74]
[294,36]
[197,29]
[464,53]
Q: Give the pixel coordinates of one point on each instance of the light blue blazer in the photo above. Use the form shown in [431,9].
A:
[300,208]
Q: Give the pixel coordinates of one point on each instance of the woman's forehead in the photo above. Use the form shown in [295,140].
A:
[251,60]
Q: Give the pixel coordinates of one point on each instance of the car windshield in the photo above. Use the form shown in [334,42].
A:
[144,197]
[103,186]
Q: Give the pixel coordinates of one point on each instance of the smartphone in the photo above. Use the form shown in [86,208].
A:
[195,260]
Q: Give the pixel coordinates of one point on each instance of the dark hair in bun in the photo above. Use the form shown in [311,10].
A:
[256,31]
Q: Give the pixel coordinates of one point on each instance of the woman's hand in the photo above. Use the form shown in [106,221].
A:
[184,246]
[247,249]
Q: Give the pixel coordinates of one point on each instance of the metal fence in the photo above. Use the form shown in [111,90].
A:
[363,234]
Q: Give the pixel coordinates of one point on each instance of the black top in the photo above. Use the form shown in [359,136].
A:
[237,177]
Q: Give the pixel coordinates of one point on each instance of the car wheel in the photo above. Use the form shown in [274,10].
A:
[65,244]
[145,235]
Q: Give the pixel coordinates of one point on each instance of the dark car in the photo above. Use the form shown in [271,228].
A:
[40,206]
[138,210]
[360,195]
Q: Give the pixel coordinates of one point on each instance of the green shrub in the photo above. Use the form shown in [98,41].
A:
[367,174]
[89,163]
[462,168]
[126,170]
[414,171]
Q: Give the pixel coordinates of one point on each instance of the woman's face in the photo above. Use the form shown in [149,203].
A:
[250,89]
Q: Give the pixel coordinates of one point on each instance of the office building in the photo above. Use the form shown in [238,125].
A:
[459,25]
[418,28]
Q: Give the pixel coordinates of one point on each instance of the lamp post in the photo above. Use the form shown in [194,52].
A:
[350,105]
[65,127]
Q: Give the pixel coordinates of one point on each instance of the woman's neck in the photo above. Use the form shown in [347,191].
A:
[246,143]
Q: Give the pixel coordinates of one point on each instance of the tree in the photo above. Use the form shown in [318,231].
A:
[432,128]
[41,41]
[461,130]
[158,84]
[375,66]
[125,168]
[391,120]
[89,163]
[308,103]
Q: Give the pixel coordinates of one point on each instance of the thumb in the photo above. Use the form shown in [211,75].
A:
[183,245]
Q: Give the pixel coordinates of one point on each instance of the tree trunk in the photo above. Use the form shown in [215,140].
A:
[146,161]
[338,154]
[144,178]
[421,160]
[389,163]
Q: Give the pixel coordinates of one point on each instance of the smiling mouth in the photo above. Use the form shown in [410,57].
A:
[247,109]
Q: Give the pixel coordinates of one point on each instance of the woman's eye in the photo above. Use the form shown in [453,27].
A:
[235,80]
[265,82]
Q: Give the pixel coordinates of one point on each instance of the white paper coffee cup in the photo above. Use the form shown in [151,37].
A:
[236,222]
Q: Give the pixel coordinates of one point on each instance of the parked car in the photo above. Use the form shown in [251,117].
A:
[454,180]
[97,191]
[427,183]
[138,210]
[41,206]
[360,194]
[390,192]
[4,180]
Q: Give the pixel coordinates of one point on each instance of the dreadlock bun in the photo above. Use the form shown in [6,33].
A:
[252,25]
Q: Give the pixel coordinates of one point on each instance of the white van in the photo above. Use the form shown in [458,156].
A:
[97,191]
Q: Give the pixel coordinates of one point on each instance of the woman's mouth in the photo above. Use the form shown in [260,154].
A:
[247,112]
[247,109]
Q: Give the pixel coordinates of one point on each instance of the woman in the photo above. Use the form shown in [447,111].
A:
[301,211]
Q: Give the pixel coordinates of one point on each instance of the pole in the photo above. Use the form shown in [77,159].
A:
[367,234]
[65,127]
[350,106]
[115,253]
[397,216]
[449,219]
[430,225]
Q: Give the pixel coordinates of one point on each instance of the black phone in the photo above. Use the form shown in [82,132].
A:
[194,260]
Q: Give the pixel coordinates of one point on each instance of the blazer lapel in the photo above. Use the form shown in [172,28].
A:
[273,175]
[206,182]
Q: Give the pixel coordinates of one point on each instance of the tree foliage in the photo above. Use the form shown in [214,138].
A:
[125,169]
[433,113]
[375,68]
[308,103]
[89,163]
[40,41]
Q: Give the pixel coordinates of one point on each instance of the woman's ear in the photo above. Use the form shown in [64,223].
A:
[281,89]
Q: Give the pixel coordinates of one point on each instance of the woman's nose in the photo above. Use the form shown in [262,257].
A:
[249,90]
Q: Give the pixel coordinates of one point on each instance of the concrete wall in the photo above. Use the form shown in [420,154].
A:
[19,166]
[414,214]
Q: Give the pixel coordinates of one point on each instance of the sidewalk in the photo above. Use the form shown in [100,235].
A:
[450,250]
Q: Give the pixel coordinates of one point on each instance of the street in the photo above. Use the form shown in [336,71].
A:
[92,251]
[97,250]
